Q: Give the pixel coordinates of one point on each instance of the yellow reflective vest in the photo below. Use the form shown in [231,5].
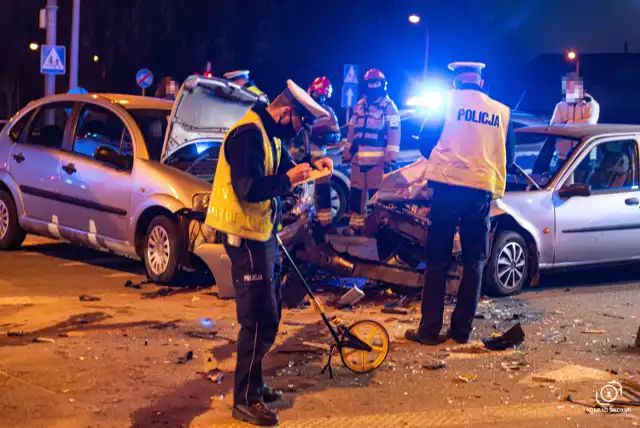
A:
[257,91]
[471,151]
[249,220]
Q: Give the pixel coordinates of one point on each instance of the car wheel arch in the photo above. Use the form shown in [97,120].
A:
[10,186]
[143,222]
[506,222]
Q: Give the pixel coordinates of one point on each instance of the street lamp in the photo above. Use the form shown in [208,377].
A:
[34,46]
[573,56]
[96,58]
[415,20]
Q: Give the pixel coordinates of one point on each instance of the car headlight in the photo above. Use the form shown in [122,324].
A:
[200,201]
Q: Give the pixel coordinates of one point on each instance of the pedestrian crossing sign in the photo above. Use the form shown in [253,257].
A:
[52,60]
[350,73]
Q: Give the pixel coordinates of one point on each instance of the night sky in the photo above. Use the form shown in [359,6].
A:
[299,39]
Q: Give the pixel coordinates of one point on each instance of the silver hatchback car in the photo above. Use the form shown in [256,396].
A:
[579,206]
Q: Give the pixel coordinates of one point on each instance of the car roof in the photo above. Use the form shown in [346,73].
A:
[583,131]
[130,102]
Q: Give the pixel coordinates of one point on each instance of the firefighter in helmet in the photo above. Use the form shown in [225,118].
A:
[373,145]
[241,77]
[313,145]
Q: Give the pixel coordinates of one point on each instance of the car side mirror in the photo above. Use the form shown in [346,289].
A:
[577,189]
[108,155]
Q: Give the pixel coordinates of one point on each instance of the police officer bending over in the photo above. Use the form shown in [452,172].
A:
[467,168]
[253,172]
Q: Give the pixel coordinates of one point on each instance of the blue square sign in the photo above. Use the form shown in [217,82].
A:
[52,60]
[350,85]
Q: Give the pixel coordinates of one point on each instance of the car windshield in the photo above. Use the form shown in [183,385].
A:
[554,151]
[153,125]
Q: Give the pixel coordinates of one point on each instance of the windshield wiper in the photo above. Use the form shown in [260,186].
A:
[526,176]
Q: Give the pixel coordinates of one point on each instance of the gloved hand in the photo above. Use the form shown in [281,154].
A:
[389,167]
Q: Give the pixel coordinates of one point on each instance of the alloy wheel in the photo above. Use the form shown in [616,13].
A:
[511,266]
[158,250]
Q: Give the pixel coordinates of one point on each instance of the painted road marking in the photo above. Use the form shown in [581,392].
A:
[507,414]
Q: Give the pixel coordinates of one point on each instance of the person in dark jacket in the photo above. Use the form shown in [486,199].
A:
[254,171]
[467,168]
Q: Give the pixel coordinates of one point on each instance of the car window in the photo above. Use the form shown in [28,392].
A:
[611,165]
[17,129]
[98,127]
[153,125]
[47,128]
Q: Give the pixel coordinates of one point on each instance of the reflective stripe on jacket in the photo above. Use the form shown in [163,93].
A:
[250,220]
[471,151]
[374,133]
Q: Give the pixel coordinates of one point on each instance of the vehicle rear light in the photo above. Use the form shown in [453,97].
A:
[546,231]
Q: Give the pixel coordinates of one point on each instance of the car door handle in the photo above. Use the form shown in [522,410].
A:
[632,201]
[69,169]
[19,157]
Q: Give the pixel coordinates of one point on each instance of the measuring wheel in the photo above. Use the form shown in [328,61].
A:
[364,346]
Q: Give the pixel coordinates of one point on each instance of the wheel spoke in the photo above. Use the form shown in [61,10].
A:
[520,264]
[518,273]
[502,272]
[378,348]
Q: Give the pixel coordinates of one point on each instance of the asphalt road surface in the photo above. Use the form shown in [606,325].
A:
[113,362]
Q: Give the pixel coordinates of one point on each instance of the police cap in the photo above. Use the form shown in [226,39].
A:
[302,102]
[461,67]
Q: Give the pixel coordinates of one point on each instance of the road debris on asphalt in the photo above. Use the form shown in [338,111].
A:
[215,376]
[43,340]
[15,333]
[187,357]
[638,338]
[509,339]
[130,284]
[609,315]
[513,365]
[207,335]
[395,311]
[89,298]
[351,297]
[468,378]
[588,331]
[435,365]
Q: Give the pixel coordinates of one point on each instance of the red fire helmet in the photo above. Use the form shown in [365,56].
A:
[321,85]
[375,74]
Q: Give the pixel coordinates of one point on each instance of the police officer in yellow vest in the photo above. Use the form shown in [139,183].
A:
[241,77]
[466,169]
[253,172]
[373,144]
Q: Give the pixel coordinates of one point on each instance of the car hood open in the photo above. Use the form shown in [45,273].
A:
[204,111]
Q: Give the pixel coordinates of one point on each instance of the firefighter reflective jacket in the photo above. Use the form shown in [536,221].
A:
[471,151]
[324,131]
[250,220]
[374,133]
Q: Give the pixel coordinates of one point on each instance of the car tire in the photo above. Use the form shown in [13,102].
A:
[162,250]
[11,234]
[507,271]
[339,195]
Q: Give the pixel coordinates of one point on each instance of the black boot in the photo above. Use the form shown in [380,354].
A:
[416,336]
[270,395]
[255,414]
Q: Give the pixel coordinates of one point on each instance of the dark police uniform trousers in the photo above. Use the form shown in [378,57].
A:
[468,208]
[256,271]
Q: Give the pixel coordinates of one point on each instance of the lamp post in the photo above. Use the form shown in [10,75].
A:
[415,19]
[573,56]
